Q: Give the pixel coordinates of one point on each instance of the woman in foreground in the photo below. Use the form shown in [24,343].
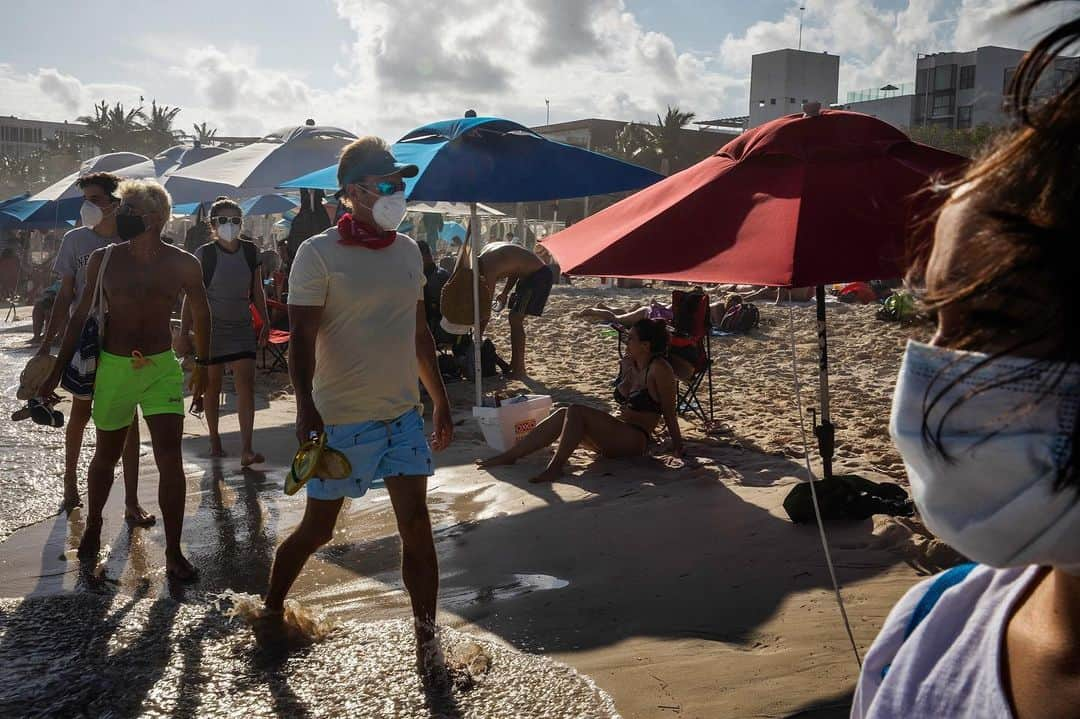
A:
[646,393]
[986,419]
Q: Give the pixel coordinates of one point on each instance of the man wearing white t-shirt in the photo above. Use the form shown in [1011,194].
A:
[359,341]
[98,215]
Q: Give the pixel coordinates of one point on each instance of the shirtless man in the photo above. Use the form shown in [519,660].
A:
[98,214]
[529,278]
[142,280]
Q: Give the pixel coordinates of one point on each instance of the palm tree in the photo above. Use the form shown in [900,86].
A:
[666,136]
[204,134]
[633,143]
[114,128]
[157,130]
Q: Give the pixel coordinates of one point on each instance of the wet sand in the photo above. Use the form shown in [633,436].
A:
[680,592]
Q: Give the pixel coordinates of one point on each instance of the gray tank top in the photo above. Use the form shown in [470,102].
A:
[229,290]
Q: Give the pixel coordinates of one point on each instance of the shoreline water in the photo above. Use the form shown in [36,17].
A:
[680,592]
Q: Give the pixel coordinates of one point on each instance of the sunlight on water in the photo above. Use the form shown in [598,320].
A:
[92,655]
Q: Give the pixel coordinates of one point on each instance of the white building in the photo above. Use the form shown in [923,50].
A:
[19,138]
[782,80]
[967,89]
[890,103]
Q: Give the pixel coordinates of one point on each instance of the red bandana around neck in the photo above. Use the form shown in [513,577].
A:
[359,234]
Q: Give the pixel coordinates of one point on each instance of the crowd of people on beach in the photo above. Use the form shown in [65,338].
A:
[985,416]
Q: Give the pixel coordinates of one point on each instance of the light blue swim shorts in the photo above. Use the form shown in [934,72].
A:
[376,450]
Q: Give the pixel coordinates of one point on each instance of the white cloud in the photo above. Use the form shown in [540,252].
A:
[427,59]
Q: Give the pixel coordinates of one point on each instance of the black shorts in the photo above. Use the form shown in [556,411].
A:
[531,294]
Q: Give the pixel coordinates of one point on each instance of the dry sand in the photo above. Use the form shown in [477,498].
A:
[681,592]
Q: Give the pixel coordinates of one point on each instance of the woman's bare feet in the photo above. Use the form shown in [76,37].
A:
[249,458]
[179,568]
[548,475]
[499,460]
[216,449]
[136,516]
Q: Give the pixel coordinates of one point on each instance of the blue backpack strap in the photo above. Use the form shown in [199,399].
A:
[944,581]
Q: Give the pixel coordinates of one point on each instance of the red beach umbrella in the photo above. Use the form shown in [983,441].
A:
[804,200]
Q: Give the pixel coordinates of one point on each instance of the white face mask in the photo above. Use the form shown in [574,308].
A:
[228,232]
[90,214]
[389,210]
[993,499]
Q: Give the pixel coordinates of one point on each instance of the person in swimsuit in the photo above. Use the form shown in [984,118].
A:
[646,393]
[141,279]
[234,283]
[528,284]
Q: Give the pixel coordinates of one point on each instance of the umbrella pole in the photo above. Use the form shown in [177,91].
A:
[825,431]
[478,341]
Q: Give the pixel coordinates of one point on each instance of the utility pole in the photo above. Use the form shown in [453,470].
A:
[802,15]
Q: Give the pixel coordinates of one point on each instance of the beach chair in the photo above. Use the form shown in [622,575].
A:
[277,343]
[690,342]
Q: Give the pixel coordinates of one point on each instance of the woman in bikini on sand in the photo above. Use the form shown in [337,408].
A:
[646,393]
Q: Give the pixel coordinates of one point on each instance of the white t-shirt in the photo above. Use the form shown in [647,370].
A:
[74,254]
[365,352]
[951,664]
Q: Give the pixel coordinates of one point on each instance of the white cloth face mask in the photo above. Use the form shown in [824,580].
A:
[1006,429]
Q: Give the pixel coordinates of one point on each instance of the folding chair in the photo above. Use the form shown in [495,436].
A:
[691,342]
[277,343]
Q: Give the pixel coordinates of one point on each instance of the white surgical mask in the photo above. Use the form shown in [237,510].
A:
[993,498]
[90,214]
[389,210]
[228,232]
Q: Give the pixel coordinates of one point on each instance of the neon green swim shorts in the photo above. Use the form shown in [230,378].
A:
[154,383]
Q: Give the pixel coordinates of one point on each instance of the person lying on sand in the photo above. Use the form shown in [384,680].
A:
[646,393]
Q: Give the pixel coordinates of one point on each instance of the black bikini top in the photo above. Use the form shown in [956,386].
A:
[638,400]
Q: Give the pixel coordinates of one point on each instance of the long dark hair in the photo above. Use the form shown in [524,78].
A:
[1022,239]
[653,333]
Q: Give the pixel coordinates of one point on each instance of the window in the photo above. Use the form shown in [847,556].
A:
[963,116]
[804,101]
[1009,73]
[943,104]
[791,100]
[772,101]
[920,81]
[944,77]
[967,77]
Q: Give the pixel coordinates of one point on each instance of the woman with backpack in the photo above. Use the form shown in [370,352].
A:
[646,394]
[233,276]
[986,420]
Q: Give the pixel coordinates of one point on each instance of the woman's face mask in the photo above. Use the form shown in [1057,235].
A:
[992,496]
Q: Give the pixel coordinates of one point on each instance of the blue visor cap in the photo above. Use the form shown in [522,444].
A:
[379,164]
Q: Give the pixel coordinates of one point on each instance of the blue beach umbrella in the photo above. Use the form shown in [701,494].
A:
[269,204]
[488,159]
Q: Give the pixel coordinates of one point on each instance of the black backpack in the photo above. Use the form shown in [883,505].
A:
[208,256]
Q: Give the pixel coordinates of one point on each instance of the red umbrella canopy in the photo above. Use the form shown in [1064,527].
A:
[800,201]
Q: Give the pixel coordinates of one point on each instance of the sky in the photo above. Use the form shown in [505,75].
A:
[247,67]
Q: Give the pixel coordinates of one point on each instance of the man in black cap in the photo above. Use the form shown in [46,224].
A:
[360,339]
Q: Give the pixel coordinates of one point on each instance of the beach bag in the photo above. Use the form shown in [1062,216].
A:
[740,318]
[898,307]
[857,293]
[845,497]
[80,373]
[456,299]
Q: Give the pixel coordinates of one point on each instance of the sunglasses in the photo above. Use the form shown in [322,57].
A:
[226,220]
[385,188]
